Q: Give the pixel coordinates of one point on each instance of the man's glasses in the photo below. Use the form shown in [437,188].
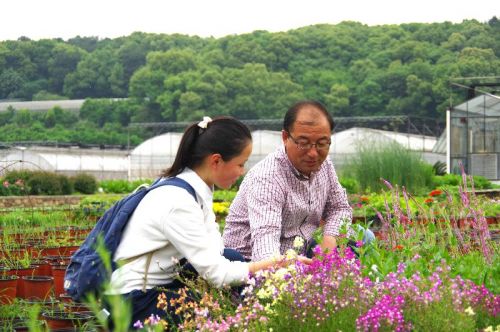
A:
[304,144]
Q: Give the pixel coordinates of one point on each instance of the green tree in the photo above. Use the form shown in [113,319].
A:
[11,83]
[64,60]
[338,99]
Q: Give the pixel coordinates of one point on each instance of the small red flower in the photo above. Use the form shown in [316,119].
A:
[364,199]
[435,192]
[398,247]
[429,200]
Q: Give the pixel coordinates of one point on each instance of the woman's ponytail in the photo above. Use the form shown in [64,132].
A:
[223,135]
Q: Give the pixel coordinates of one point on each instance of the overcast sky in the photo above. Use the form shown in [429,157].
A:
[65,19]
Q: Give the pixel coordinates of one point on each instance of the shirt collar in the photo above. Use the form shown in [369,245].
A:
[202,189]
[299,175]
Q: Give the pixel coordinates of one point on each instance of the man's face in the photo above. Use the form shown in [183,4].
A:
[310,127]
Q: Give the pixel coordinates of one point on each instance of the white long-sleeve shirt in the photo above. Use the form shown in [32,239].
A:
[171,223]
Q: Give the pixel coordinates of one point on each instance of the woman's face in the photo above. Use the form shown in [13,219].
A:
[227,172]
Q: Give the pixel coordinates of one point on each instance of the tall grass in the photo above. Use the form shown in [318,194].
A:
[391,162]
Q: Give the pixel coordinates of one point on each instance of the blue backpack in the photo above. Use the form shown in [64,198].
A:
[86,271]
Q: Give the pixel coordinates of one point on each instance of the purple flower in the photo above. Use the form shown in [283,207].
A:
[138,325]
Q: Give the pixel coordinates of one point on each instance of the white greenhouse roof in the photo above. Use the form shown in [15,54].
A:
[265,141]
[347,141]
[65,159]
[162,145]
[43,105]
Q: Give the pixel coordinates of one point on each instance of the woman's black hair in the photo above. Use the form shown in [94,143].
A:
[291,114]
[223,135]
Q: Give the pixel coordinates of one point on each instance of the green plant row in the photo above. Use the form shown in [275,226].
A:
[25,182]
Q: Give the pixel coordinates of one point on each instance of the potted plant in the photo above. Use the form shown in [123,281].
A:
[38,287]
[59,319]
[8,287]
[21,267]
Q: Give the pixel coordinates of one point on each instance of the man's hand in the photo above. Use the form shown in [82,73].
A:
[328,244]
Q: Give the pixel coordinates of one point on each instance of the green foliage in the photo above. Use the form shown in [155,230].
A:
[440,317]
[45,183]
[15,175]
[92,207]
[121,186]
[480,182]
[85,183]
[390,162]
[439,168]
[353,68]
[67,187]
[351,185]
[23,182]
[224,195]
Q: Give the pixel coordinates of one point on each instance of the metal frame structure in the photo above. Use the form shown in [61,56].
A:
[473,131]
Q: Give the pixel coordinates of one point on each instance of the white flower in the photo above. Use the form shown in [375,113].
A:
[298,242]
[375,268]
[469,311]
[174,260]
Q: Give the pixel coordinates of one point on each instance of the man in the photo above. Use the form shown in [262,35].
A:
[289,192]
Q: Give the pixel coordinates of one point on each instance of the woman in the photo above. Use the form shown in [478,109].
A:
[174,227]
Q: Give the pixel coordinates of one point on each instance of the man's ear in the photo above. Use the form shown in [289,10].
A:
[284,136]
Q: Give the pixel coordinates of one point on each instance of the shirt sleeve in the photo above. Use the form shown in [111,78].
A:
[186,230]
[337,209]
[265,204]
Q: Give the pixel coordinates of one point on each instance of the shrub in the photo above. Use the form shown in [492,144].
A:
[15,175]
[480,182]
[12,189]
[391,162]
[22,182]
[44,183]
[66,185]
[85,183]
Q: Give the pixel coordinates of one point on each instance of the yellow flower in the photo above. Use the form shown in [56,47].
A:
[221,208]
[291,254]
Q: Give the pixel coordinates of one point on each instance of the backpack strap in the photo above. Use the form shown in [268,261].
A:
[175,181]
[148,262]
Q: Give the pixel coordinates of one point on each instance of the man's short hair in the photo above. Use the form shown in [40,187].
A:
[291,114]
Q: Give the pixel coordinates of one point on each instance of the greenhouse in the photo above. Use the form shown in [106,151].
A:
[473,136]
[103,164]
[150,158]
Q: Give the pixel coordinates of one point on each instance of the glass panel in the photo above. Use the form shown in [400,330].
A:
[458,139]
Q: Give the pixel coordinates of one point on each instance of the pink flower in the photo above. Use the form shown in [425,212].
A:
[6,184]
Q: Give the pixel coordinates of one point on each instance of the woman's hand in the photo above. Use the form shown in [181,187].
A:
[277,261]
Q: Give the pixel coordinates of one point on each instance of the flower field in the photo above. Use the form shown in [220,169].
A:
[435,266]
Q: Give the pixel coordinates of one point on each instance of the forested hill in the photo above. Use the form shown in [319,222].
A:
[353,68]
